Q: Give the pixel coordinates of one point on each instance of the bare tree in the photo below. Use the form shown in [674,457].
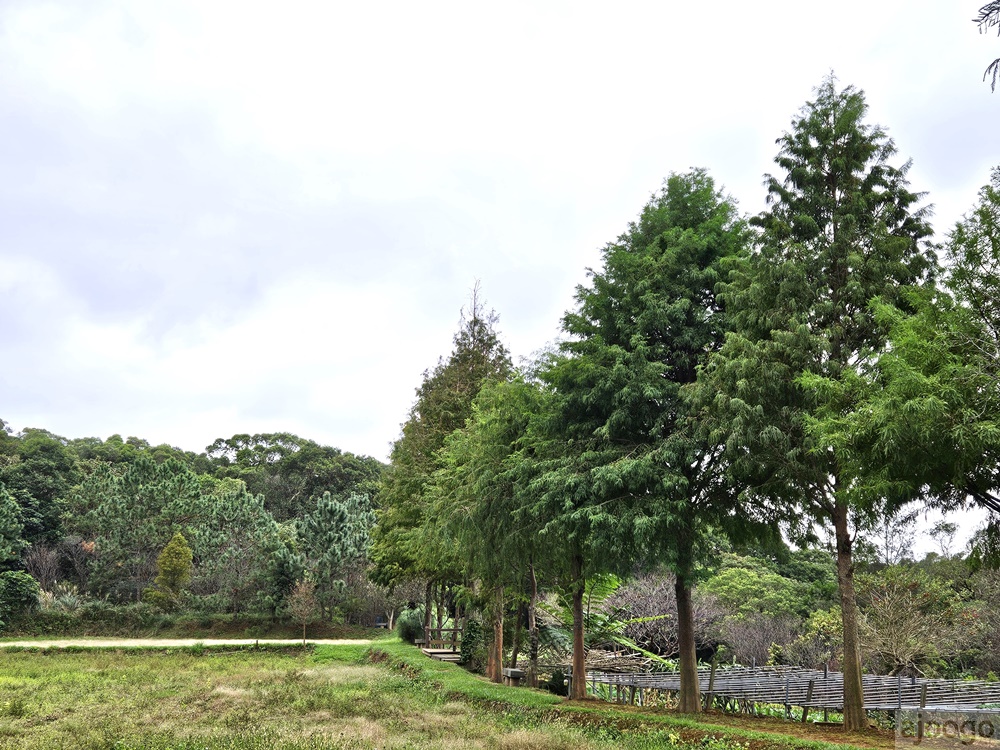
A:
[943,532]
[303,605]
[646,599]
[42,563]
[752,638]
[909,620]
[79,552]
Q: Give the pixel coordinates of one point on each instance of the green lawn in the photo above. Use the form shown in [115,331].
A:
[334,697]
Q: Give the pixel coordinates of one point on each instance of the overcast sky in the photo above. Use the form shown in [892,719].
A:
[235,217]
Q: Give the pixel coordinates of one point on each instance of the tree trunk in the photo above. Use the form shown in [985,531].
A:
[690,692]
[533,629]
[494,662]
[578,683]
[855,718]
[516,645]
[441,613]
[428,605]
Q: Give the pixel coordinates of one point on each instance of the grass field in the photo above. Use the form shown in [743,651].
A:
[389,696]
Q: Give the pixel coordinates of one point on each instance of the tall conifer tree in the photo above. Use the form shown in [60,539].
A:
[444,401]
[843,230]
[635,480]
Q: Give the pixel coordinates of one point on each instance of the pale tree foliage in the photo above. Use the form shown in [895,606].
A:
[943,533]
[910,620]
[42,563]
[303,605]
[648,603]
[892,536]
[753,639]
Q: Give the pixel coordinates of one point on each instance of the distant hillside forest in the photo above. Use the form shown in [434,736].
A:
[88,519]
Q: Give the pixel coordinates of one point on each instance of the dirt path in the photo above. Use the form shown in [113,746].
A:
[171,642]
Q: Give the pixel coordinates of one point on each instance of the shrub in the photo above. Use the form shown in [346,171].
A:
[556,683]
[18,594]
[410,625]
[473,645]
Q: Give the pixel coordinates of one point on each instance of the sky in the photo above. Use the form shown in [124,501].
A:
[222,217]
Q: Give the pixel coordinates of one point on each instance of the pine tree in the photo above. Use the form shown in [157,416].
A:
[333,538]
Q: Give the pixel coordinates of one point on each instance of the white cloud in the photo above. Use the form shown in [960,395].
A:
[221,217]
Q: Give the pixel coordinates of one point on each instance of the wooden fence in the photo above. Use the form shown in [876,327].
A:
[743,689]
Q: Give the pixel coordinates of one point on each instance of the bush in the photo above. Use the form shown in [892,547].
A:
[410,625]
[18,594]
[473,646]
[556,683]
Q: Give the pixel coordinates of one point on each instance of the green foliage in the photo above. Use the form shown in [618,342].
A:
[633,472]
[174,568]
[746,592]
[935,420]
[842,233]
[11,528]
[401,548]
[288,471]
[410,625]
[133,515]
[243,559]
[474,645]
[333,539]
[38,472]
[18,594]
[989,17]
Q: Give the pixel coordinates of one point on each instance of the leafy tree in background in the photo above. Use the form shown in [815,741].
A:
[174,566]
[989,17]
[11,529]
[934,422]
[481,504]
[290,471]
[238,544]
[18,594]
[39,472]
[635,476]
[843,231]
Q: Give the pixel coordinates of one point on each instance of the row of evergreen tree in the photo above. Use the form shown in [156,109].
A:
[812,369]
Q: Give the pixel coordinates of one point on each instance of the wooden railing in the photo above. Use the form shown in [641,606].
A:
[443,639]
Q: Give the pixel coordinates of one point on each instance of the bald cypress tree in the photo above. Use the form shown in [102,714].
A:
[400,549]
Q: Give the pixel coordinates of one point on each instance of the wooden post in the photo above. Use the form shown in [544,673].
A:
[709,697]
[920,716]
[809,697]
